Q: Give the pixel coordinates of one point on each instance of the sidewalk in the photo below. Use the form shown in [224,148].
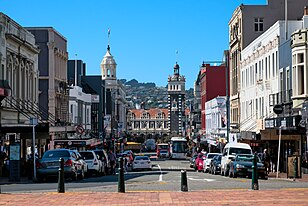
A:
[213,197]
[284,176]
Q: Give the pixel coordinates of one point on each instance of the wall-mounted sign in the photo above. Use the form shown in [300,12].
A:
[278,109]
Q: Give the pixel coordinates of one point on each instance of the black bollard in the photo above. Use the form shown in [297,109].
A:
[254,177]
[121,185]
[184,186]
[61,188]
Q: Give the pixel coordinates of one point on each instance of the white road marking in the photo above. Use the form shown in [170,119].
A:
[204,179]
[161,174]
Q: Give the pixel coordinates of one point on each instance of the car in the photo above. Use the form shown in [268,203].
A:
[207,161]
[192,161]
[103,157]
[83,164]
[241,165]
[95,166]
[215,164]
[49,164]
[142,162]
[229,152]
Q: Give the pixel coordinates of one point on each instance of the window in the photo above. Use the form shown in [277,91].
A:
[258,24]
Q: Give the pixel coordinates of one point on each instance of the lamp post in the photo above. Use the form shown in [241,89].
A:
[33,122]
[283,125]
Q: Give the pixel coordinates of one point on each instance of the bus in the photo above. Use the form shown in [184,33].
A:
[178,148]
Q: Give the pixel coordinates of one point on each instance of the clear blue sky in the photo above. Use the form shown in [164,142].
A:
[145,34]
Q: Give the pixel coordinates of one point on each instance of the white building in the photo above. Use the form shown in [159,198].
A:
[215,115]
[265,77]
[80,110]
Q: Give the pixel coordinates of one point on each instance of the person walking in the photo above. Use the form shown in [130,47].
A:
[112,159]
[266,160]
[3,156]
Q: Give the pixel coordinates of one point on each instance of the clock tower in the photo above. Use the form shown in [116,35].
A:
[176,102]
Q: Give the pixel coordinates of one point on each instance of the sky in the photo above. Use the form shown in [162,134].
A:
[147,37]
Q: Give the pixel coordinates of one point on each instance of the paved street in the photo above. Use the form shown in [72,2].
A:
[166,179]
[212,197]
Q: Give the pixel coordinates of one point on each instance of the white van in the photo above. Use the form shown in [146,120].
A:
[229,152]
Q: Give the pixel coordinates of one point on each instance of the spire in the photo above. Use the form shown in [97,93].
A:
[108,47]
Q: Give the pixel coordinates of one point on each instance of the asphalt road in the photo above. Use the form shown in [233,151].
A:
[166,176]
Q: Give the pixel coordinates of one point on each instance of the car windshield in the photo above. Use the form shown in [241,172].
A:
[87,155]
[211,155]
[142,158]
[55,154]
[163,146]
[245,158]
[235,151]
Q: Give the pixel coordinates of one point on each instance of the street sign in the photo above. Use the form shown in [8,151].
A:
[278,109]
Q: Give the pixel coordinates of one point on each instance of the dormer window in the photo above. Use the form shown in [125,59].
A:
[258,24]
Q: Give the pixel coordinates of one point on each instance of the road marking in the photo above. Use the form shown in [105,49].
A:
[204,179]
[161,174]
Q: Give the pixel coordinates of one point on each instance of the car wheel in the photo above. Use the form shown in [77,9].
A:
[234,175]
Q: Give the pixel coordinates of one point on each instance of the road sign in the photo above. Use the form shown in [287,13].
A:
[278,109]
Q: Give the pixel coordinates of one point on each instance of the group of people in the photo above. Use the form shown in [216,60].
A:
[269,161]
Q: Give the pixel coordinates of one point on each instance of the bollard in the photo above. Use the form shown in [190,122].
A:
[121,185]
[61,188]
[184,186]
[295,168]
[254,176]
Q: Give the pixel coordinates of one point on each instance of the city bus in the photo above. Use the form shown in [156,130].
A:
[178,148]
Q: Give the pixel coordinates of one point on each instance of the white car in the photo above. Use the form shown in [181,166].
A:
[142,162]
[94,164]
[207,161]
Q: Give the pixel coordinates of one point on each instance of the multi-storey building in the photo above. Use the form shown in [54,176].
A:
[195,126]
[19,80]
[54,91]
[216,121]
[116,104]
[213,84]
[299,80]
[148,123]
[246,24]
[266,82]
[80,111]
[75,70]
[176,102]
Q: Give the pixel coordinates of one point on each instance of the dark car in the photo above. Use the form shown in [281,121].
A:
[241,165]
[215,166]
[49,164]
[192,161]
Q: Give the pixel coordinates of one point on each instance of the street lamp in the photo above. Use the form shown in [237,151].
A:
[283,125]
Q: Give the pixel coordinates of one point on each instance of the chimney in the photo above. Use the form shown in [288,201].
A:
[306,11]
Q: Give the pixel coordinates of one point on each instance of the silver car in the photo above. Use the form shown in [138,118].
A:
[49,164]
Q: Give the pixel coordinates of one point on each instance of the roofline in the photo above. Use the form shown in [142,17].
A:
[46,28]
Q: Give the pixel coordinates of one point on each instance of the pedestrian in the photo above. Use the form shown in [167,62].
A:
[112,159]
[266,160]
[3,156]
[126,164]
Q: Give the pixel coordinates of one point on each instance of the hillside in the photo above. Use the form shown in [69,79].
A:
[153,96]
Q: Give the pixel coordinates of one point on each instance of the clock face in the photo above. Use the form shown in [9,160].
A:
[174,105]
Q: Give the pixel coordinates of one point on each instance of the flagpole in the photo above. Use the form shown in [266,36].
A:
[108,37]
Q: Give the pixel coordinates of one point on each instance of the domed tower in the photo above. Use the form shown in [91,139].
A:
[176,102]
[109,66]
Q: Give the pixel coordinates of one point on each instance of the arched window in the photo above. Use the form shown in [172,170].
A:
[108,72]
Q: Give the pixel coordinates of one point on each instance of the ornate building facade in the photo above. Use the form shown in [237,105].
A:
[176,103]
[148,123]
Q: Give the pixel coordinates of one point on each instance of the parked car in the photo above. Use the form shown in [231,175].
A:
[94,164]
[103,157]
[229,152]
[83,164]
[142,162]
[215,164]
[207,161]
[241,165]
[49,164]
